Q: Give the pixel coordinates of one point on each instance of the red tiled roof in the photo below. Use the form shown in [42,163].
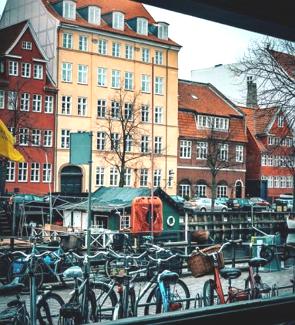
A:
[9,34]
[204,99]
[188,128]
[131,10]
[286,61]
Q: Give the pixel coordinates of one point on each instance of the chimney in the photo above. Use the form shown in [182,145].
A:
[251,92]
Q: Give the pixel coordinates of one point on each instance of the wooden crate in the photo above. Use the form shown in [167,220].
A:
[51,227]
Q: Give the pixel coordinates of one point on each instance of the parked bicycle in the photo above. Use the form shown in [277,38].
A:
[43,307]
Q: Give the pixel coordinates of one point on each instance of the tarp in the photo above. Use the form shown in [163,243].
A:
[7,142]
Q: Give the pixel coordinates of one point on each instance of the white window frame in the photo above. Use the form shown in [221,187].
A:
[100,141]
[116,49]
[47,173]
[115,109]
[159,85]
[281,120]
[145,112]
[221,191]
[69,9]
[125,221]
[118,20]
[159,57]
[158,145]
[38,71]
[25,101]
[144,144]
[239,153]
[223,151]
[129,52]
[23,136]
[67,72]
[12,100]
[65,139]
[142,26]
[115,141]
[26,69]
[145,55]
[128,111]
[83,43]
[202,150]
[36,138]
[94,15]
[114,176]
[128,143]
[201,190]
[26,45]
[158,115]
[185,190]
[47,138]
[145,83]
[2,99]
[143,180]
[82,74]
[101,108]
[66,105]
[10,171]
[22,172]
[49,102]
[157,177]
[163,31]
[35,172]
[102,47]
[37,103]
[12,68]
[116,78]
[185,149]
[99,176]
[82,106]
[67,42]
[127,176]
[128,81]
[101,77]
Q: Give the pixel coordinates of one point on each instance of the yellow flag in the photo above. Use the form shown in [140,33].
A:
[7,145]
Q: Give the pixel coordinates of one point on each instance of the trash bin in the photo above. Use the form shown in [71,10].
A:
[258,241]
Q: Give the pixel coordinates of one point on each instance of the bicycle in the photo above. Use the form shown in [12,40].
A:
[253,284]
[16,311]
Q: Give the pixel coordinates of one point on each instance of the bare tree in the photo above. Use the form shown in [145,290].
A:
[123,129]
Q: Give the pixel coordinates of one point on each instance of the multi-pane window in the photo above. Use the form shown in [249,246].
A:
[35,172]
[26,70]
[83,43]
[48,104]
[13,68]
[12,100]
[142,26]
[102,77]
[145,113]
[102,46]
[2,99]
[129,52]
[99,179]
[69,9]
[100,141]
[143,177]
[158,145]
[125,221]
[157,177]
[36,137]
[212,122]
[115,109]
[158,57]
[67,40]
[185,190]
[25,102]
[66,105]
[23,172]
[37,103]
[163,31]
[281,121]
[65,139]
[115,141]
[128,80]
[145,55]
[223,151]
[47,138]
[114,176]
[94,15]
[128,111]
[67,72]
[82,74]
[116,49]
[82,106]
[116,75]
[239,153]
[127,176]
[202,150]
[158,115]
[128,143]
[26,45]
[144,144]
[185,149]
[101,107]
[10,171]
[38,71]
[47,173]
[118,20]
[221,191]
[201,190]
[159,85]
[145,83]
[23,136]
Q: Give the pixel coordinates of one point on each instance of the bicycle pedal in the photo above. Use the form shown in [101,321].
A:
[175,306]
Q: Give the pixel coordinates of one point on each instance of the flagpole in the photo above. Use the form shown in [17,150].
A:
[89,197]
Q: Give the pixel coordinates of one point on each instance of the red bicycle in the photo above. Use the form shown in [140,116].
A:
[254,287]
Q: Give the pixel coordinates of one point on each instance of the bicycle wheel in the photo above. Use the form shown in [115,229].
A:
[178,290]
[48,308]
[208,293]
[18,268]
[92,314]
[106,300]
[254,294]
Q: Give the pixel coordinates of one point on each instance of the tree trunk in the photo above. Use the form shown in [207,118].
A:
[122,176]
[3,167]
[293,207]
[213,189]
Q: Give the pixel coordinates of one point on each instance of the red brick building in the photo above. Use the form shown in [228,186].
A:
[270,151]
[212,139]
[27,107]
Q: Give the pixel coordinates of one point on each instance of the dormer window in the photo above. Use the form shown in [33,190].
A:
[163,31]
[118,20]
[69,9]
[142,26]
[94,15]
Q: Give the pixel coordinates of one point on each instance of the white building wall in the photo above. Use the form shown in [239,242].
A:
[44,24]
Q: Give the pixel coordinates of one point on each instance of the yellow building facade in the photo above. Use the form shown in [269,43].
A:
[94,67]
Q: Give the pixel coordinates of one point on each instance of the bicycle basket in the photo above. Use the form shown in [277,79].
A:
[200,264]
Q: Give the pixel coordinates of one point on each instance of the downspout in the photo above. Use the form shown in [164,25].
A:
[166,124]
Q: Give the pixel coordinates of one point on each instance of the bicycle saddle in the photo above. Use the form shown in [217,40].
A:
[230,273]
[257,261]
[73,272]
[11,289]
[168,275]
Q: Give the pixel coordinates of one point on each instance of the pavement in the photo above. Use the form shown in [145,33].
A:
[279,278]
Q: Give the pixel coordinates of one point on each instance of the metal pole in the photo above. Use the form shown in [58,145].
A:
[50,198]
[89,196]
[152,156]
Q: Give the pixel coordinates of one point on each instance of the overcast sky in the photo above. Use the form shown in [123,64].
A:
[204,43]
